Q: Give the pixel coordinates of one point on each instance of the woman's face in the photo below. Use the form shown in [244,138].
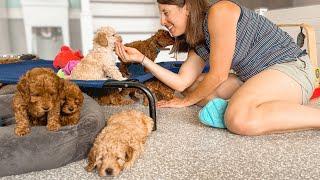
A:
[174,18]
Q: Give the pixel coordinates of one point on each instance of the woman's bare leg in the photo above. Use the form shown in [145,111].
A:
[270,102]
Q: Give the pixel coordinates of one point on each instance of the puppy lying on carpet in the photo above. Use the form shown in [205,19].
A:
[120,143]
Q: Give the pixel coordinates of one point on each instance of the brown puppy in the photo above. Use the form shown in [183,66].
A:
[37,101]
[159,89]
[114,96]
[149,47]
[71,100]
[120,143]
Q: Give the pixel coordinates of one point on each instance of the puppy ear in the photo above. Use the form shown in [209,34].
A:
[78,93]
[62,89]
[101,39]
[129,153]
[49,70]
[91,160]
[23,87]
[81,98]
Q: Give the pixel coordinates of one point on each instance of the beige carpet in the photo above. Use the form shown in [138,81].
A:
[182,148]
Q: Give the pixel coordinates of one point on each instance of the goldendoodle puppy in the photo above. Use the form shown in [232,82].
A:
[120,143]
[37,101]
[71,100]
[100,63]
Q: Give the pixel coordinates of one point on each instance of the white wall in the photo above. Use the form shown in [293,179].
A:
[307,14]
[4,30]
[134,20]
[47,49]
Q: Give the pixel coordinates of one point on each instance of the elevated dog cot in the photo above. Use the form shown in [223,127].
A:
[10,74]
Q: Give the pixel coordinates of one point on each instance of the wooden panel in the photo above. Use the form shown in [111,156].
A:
[308,14]
[129,25]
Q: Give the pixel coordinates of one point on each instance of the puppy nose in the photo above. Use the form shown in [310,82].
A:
[70,109]
[109,171]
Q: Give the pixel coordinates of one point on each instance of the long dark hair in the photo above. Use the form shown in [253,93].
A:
[194,34]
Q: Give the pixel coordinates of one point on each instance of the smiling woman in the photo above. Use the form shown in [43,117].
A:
[179,19]
[273,77]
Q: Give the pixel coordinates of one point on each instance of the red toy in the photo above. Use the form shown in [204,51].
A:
[316,93]
[65,55]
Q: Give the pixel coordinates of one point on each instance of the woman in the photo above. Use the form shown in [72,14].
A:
[274,77]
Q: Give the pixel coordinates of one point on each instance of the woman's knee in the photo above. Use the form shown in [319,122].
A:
[243,121]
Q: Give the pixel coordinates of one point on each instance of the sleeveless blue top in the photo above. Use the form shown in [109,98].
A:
[259,45]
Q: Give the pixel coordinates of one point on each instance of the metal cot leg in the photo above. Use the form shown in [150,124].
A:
[146,91]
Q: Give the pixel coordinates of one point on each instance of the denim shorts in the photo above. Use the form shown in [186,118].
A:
[301,71]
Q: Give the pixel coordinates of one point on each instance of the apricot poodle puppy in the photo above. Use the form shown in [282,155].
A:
[149,47]
[71,100]
[36,101]
[120,143]
[115,97]
[100,63]
[160,91]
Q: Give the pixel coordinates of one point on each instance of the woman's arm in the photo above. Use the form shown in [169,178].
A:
[188,72]
[222,23]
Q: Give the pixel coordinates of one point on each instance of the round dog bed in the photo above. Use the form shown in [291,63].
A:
[43,149]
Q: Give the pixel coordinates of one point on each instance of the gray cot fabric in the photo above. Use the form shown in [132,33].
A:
[259,45]
[43,149]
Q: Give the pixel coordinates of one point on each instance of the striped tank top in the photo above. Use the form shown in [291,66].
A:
[259,45]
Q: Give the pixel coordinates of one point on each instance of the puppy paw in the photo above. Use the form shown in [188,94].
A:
[89,167]
[75,122]
[53,127]
[122,78]
[127,102]
[21,131]
[145,102]
[128,165]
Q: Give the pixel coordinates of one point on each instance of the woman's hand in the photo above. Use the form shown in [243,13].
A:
[128,54]
[174,103]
